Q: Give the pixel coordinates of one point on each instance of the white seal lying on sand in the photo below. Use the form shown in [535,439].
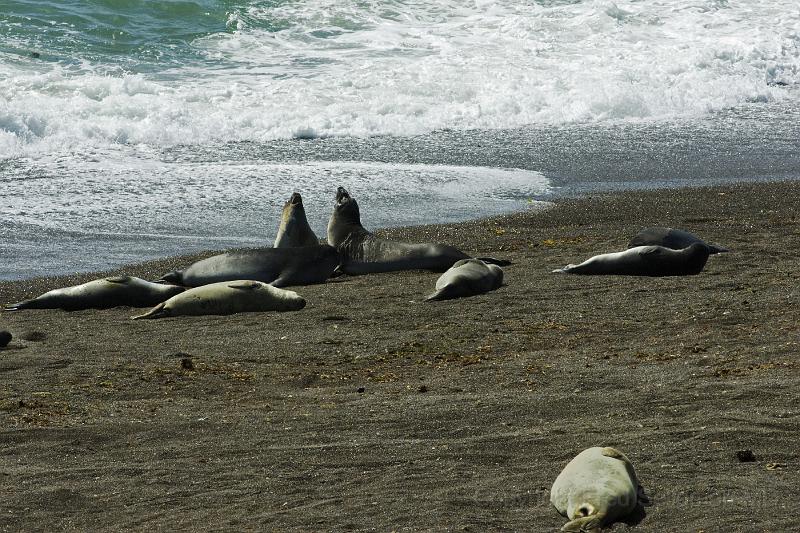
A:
[467,277]
[676,239]
[644,261]
[364,253]
[294,229]
[227,298]
[102,294]
[595,489]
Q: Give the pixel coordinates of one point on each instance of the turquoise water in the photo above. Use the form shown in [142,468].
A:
[137,129]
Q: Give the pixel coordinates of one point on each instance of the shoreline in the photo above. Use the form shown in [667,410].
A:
[372,410]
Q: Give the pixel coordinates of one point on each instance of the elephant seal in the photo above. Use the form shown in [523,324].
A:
[294,229]
[102,294]
[645,261]
[676,239]
[467,277]
[280,267]
[595,489]
[364,253]
[227,298]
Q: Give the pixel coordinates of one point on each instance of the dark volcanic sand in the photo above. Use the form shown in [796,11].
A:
[469,409]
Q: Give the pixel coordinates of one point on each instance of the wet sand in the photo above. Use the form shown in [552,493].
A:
[373,410]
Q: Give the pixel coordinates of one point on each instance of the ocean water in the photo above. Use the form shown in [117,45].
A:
[132,129]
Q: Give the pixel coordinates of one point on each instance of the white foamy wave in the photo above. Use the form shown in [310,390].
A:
[314,69]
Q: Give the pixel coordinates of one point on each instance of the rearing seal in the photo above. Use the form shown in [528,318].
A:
[364,253]
[294,229]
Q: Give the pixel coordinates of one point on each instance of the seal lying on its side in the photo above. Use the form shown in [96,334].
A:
[596,488]
[102,294]
[226,298]
[645,261]
[676,239]
[364,253]
[294,229]
[280,267]
[467,277]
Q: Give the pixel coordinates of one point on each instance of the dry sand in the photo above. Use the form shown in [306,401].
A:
[371,410]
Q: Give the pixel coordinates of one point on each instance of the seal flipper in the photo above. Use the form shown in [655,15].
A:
[585,524]
[175,277]
[158,311]
[245,285]
[118,279]
[493,261]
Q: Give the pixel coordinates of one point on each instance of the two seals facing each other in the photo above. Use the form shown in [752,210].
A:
[675,239]
[364,253]
[226,298]
[467,277]
[596,488]
[102,294]
[644,261]
[280,267]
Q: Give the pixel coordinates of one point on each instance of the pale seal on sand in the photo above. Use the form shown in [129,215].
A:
[280,267]
[364,253]
[227,298]
[595,489]
[676,239]
[102,294]
[294,229]
[467,277]
[645,261]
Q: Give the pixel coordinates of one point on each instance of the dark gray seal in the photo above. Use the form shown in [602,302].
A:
[280,267]
[645,261]
[364,253]
[676,239]
[467,277]
[294,229]
[102,294]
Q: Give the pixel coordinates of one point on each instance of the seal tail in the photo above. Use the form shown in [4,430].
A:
[494,261]
[714,249]
[158,311]
[19,306]
[441,294]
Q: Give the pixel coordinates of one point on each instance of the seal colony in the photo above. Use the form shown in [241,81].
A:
[596,488]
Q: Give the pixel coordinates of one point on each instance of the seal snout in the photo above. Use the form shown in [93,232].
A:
[342,195]
[296,199]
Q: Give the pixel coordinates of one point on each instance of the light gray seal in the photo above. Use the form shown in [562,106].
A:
[676,239]
[227,298]
[645,261]
[596,488]
[280,267]
[467,277]
[102,294]
[294,230]
[364,253]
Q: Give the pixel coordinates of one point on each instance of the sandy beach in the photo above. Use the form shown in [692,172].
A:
[373,410]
